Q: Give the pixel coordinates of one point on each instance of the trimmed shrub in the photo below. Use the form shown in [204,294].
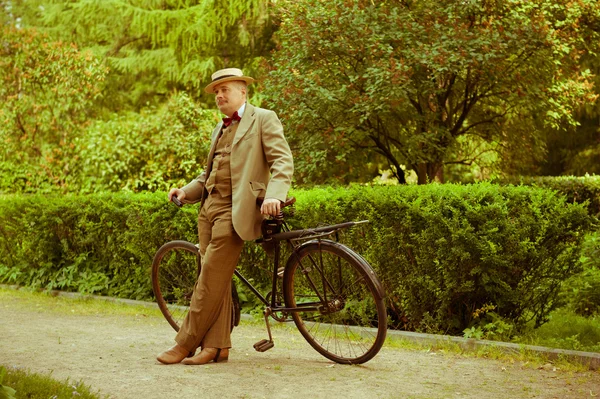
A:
[581,293]
[443,252]
[100,244]
[580,189]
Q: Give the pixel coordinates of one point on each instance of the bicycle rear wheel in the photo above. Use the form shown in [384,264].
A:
[345,318]
[175,270]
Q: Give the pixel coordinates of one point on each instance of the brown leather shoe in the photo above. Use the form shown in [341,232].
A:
[208,355]
[174,355]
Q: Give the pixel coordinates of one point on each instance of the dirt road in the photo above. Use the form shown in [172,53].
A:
[114,352]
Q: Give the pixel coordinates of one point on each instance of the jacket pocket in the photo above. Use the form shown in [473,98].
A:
[257,186]
[258,189]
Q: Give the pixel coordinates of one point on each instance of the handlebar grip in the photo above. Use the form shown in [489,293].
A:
[176,201]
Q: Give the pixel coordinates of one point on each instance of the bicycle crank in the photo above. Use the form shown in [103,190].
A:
[278,316]
[265,344]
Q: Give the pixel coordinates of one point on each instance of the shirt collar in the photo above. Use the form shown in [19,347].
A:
[241,110]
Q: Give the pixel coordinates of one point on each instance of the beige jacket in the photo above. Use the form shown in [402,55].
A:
[261,165]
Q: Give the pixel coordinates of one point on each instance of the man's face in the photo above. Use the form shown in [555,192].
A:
[229,97]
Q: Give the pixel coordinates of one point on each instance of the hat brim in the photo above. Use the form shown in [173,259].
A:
[211,86]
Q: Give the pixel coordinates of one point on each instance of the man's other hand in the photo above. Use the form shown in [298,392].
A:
[270,206]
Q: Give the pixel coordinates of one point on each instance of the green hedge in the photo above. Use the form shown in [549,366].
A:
[580,189]
[443,252]
[99,244]
[446,251]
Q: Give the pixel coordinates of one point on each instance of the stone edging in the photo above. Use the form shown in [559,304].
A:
[589,359]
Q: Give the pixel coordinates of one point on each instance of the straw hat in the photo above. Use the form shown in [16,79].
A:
[227,75]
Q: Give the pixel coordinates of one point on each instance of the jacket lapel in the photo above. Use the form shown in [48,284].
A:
[213,147]
[245,123]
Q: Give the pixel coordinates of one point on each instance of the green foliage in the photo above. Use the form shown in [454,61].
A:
[154,46]
[52,144]
[154,150]
[102,244]
[402,81]
[46,89]
[566,330]
[581,293]
[576,151]
[5,391]
[36,386]
[442,251]
[445,251]
[493,328]
[489,325]
[579,189]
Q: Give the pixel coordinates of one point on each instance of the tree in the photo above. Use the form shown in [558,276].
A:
[46,92]
[155,149]
[423,84]
[155,46]
[578,151]
[147,131]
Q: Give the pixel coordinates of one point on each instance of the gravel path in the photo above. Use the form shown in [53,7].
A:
[115,354]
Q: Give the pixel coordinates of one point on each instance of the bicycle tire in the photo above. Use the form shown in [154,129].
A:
[351,323]
[175,270]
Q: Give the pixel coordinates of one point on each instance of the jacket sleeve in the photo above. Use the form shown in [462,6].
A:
[194,189]
[278,156]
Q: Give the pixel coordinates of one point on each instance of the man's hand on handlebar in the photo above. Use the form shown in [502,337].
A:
[270,206]
[176,195]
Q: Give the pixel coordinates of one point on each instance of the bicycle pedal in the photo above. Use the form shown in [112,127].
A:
[259,343]
[263,345]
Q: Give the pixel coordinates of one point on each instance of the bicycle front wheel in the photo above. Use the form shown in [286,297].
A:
[175,270]
[344,317]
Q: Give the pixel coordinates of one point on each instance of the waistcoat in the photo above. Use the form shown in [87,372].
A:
[220,174]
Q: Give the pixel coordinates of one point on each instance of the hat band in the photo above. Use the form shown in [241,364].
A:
[223,77]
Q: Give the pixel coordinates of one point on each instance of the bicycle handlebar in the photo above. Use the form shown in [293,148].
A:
[176,201]
[287,202]
[259,201]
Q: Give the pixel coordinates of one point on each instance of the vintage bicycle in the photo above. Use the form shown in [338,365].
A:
[329,291]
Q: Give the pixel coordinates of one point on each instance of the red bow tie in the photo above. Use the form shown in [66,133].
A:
[234,117]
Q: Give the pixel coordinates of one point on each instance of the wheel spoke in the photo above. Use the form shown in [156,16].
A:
[350,324]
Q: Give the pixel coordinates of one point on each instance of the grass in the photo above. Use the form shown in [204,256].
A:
[36,386]
[566,330]
[524,357]
[45,301]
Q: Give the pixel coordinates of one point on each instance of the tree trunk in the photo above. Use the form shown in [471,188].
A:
[400,175]
[428,172]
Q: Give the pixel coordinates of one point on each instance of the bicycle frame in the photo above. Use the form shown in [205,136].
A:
[290,236]
[274,292]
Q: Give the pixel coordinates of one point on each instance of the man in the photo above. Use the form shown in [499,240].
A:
[249,158]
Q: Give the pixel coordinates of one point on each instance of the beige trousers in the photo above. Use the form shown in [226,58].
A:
[208,323]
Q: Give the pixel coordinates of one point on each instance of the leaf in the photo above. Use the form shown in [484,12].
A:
[7,392]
